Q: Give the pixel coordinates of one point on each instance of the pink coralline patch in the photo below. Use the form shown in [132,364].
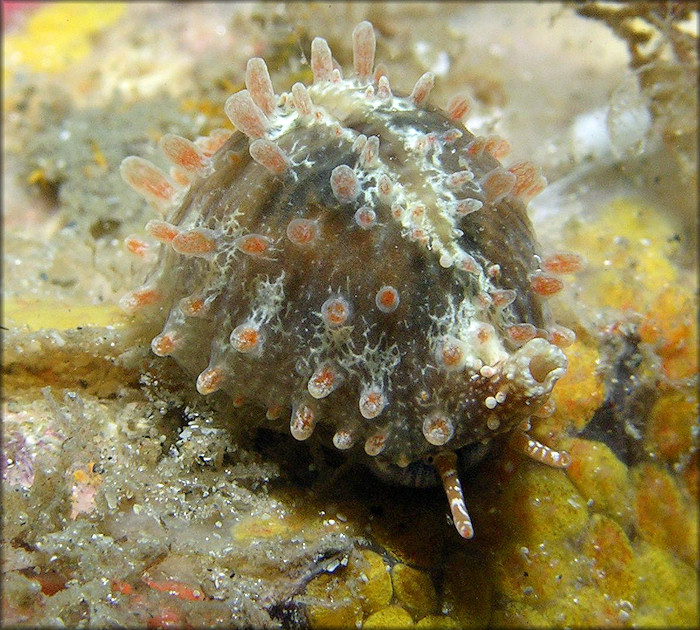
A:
[11,11]
[361,260]
[16,461]
[20,446]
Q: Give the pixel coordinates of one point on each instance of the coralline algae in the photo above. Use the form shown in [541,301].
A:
[360,264]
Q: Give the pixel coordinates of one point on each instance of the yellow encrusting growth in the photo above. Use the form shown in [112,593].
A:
[59,34]
[414,590]
[438,622]
[607,545]
[358,591]
[389,617]
[663,515]
[663,578]
[672,423]
[670,326]
[37,314]
[601,478]
[544,505]
[255,528]
[578,393]
[628,249]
